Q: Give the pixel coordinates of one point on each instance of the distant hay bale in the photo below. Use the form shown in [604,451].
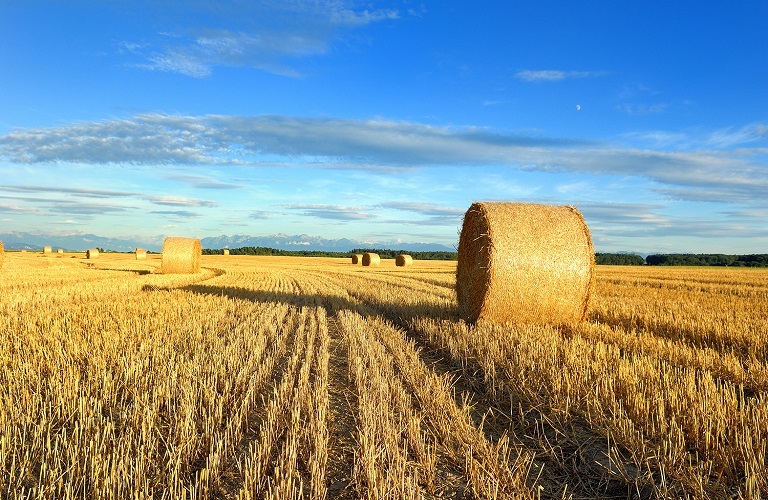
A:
[225,251]
[2,254]
[357,258]
[371,259]
[92,253]
[141,254]
[524,263]
[181,255]
[60,251]
[47,249]
[403,260]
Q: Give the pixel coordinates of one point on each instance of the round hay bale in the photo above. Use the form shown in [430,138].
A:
[357,258]
[181,255]
[225,251]
[2,254]
[60,251]
[47,249]
[524,263]
[92,253]
[371,259]
[403,260]
[141,254]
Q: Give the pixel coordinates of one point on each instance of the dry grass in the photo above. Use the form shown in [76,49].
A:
[403,260]
[371,259]
[181,255]
[524,263]
[222,384]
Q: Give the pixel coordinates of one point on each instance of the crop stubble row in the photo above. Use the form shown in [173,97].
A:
[217,386]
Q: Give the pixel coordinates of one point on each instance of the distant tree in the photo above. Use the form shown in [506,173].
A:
[619,259]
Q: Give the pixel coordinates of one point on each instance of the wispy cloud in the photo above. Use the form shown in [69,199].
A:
[731,174]
[185,214]
[180,201]
[262,35]
[423,208]
[554,75]
[87,193]
[642,108]
[78,208]
[334,212]
[204,182]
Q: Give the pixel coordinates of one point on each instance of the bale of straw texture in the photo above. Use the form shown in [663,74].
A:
[371,259]
[141,254]
[60,250]
[524,263]
[47,249]
[403,260]
[2,254]
[181,255]
[225,251]
[92,253]
[357,258]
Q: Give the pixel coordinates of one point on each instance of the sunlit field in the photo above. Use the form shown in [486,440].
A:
[271,377]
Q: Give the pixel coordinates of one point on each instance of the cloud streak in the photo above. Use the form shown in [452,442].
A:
[732,168]
[333,212]
[550,75]
[261,35]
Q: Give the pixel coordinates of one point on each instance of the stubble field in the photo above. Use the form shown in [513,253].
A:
[269,377]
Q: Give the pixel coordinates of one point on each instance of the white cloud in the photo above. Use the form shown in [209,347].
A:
[265,35]
[550,75]
[179,201]
[334,212]
[714,172]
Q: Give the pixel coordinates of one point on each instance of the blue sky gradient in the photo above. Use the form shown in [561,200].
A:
[383,121]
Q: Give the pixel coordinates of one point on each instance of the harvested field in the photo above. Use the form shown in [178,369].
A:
[280,377]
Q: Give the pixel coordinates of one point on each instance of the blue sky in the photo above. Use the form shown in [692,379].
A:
[385,120]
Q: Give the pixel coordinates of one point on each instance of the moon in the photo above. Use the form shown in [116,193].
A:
[578,107]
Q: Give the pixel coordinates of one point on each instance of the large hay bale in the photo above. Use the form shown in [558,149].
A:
[181,255]
[47,249]
[141,254]
[403,260]
[524,263]
[92,253]
[357,258]
[225,251]
[371,259]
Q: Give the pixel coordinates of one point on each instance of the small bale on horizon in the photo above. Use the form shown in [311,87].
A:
[357,258]
[60,251]
[371,259]
[92,253]
[524,263]
[225,251]
[403,260]
[47,249]
[2,254]
[141,254]
[181,255]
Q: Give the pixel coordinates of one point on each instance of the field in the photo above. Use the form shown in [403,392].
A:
[271,377]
